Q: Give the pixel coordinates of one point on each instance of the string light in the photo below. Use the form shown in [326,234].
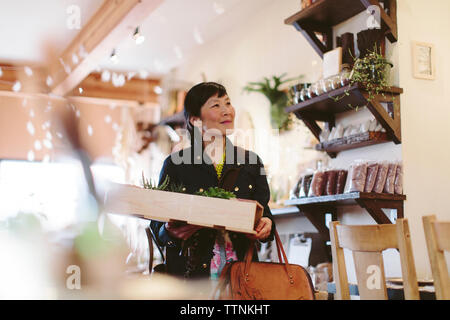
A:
[114,58]
[218,8]
[106,76]
[178,52]
[17,86]
[197,36]
[28,71]
[138,37]
[49,81]
[158,90]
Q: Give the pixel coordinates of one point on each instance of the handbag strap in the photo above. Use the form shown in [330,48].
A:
[224,281]
[156,243]
[249,255]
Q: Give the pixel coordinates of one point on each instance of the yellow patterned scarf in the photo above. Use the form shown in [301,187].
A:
[219,167]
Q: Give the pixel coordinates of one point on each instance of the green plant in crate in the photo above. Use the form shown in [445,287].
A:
[279,99]
[216,192]
[370,71]
[165,185]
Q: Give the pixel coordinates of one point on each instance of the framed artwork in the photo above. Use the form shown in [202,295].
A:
[423,60]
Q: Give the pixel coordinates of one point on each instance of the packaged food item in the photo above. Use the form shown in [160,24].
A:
[356,178]
[339,131]
[348,130]
[324,135]
[295,192]
[372,170]
[318,184]
[379,127]
[383,168]
[373,125]
[390,178]
[365,126]
[354,131]
[306,182]
[330,187]
[341,179]
[398,183]
[332,135]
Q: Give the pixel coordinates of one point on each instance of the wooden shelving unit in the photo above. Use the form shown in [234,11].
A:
[316,21]
[315,208]
[324,108]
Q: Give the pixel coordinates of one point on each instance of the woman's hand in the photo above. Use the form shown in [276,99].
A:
[262,229]
[181,230]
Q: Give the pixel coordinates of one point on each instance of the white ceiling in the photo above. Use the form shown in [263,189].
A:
[36,31]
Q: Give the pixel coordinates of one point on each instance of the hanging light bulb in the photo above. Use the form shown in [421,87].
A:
[197,36]
[114,58]
[138,37]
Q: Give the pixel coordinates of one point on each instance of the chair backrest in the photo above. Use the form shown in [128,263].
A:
[367,244]
[437,235]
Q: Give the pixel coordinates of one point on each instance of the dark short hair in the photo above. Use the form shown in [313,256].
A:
[197,97]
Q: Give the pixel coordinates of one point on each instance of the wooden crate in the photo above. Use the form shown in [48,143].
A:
[238,215]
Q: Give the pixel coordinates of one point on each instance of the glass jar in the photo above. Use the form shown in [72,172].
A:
[345,76]
[318,88]
[311,91]
[328,84]
[335,82]
[304,94]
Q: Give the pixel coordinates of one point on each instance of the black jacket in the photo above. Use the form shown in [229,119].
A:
[243,174]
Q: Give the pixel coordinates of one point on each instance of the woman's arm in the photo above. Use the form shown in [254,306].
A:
[265,228]
[162,235]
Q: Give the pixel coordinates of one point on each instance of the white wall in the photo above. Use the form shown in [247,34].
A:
[425,120]
[266,46]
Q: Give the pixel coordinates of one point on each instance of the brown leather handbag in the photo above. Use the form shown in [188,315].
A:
[249,280]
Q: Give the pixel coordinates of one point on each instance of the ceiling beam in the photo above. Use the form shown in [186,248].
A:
[31,79]
[138,90]
[114,21]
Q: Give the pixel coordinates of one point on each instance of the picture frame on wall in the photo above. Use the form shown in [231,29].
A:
[423,60]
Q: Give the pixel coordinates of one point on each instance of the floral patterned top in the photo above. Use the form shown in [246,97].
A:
[223,247]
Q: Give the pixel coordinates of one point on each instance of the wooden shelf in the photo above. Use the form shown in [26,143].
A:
[344,199]
[321,16]
[285,211]
[320,107]
[315,208]
[324,108]
[354,141]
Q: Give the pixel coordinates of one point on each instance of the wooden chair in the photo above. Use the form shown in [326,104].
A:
[367,243]
[437,235]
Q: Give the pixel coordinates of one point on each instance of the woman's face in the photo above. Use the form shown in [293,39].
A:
[217,113]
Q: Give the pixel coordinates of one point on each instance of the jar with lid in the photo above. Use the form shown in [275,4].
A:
[311,91]
[345,75]
[304,92]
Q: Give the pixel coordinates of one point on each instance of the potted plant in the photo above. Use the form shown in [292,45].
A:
[279,99]
[370,71]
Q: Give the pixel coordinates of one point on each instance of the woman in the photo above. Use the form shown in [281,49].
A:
[211,161]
